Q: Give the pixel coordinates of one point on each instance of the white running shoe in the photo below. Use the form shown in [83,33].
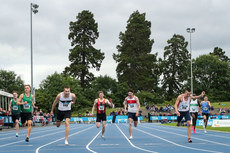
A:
[66,142]
[131,137]
[205,131]
[203,126]
[102,136]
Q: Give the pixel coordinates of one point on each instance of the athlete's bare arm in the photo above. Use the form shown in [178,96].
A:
[10,105]
[55,103]
[109,103]
[20,99]
[94,105]
[209,104]
[74,98]
[178,100]
[201,95]
[33,102]
[138,105]
[125,105]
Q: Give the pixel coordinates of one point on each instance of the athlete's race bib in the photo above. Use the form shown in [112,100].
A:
[65,104]
[184,107]
[15,108]
[205,108]
[193,109]
[132,105]
[26,106]
[101,108]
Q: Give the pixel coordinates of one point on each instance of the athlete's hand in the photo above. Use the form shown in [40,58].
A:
[177,113]
[25,102]
[126,111]
[137,114]
[36,107]
[51,113]
[72,103]
[92,114]
[203,93]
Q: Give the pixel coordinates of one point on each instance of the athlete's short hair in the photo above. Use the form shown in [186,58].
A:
[26,85]
[130,90]
[66,87]
[100,92]
[14,91]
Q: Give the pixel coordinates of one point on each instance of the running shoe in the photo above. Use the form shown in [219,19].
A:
[66,142]
[131,137]
[194,131]
[102,136]
[203,126]
[27,139]
[189,140]
[16,134]
[205,131]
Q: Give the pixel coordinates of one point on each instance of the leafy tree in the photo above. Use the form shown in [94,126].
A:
[83,56]
[175,66]
[212,75]
[53,85]
[136,65]
[9,81]
[221,54]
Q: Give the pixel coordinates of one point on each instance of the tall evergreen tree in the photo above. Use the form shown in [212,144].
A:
[175,66]
[136,65]
[221,54]
[83,56]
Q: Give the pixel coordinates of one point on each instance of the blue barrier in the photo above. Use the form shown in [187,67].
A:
[119,119]
[155,118]
[7,119]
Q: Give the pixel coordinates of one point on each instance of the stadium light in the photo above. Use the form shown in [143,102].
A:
[33,9]
[190,31]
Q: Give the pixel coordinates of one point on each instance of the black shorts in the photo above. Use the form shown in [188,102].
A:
[15,117]
[25,117]
[186,116]
[132,116]
[63,115]
[206,114]
[195,113]
[101,117]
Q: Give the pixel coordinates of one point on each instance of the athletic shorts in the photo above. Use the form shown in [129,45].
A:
[206,114]
[186,116]
[101,117]
[132,116]
[195,113]
[15,117]
[63,115]
[25,117]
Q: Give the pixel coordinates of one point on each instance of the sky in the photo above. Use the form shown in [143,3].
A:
[210,18]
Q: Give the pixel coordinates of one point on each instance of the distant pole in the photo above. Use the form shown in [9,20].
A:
[33,9]
[190,31]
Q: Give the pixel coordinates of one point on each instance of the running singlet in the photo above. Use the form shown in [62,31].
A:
[101,106]
[184,105]
[205,107]
[132,105]
[194,106]
[65,103]
[27,108]
[16,109]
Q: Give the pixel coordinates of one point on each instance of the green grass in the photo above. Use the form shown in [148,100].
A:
[216,105]
[223,129]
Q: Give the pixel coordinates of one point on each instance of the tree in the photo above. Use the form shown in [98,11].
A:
[221,54]
[175,66]
[9,81]
[53,85]
[136,65]
[83,56]
[212,75]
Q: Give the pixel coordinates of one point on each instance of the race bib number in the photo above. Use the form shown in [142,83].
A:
[193,109]
[101,108]
[131,105]
[26,106]
[65,104]
[15,108]
[205,108]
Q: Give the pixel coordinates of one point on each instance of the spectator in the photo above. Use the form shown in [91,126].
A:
[79,115]
[87,113]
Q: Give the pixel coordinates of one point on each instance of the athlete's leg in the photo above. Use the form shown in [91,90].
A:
[17,125]
[193,120]
[135,123]
[204,121]
[67,128]
[29,128]
[103,127]
[98,124]
[130,127]
[189,128]
[58,123]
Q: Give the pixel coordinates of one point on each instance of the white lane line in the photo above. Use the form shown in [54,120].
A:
[176,143]
[30,138]
[37,150]
[109,144]
[200,131]
[132,143]
[223,144]
[87,146]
